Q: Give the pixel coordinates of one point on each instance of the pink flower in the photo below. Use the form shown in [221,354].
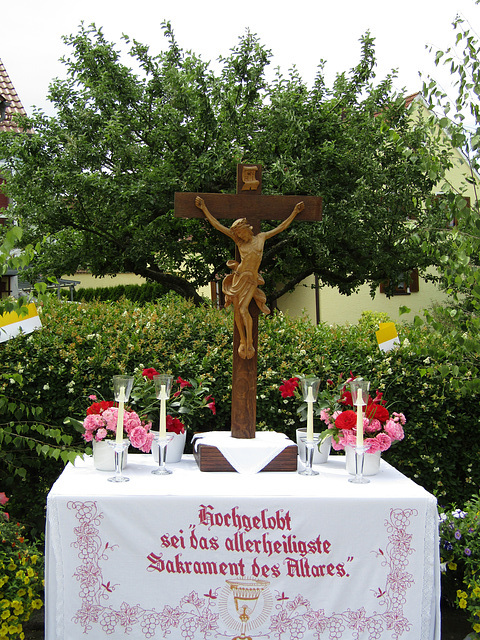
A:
[394,430]
[130,421]
[93,421]
[110,416]
[325,417]
[373,445]
[3,498]
[92,397]
[399,417]
[147,445]
[384,441]
[372,426]
[101,434]
[138,436]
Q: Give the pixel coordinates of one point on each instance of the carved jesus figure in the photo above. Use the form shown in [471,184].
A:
[242,285]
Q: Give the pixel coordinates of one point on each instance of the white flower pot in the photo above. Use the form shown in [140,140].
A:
[371,465]
[104,456]
[319,457]
[174,448]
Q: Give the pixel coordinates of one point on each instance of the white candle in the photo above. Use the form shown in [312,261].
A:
[310,401]
[162,430]
[121,410]
[359,418]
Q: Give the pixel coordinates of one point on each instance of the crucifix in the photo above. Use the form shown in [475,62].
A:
[248,207]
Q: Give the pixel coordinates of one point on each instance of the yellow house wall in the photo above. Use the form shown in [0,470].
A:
[340,309]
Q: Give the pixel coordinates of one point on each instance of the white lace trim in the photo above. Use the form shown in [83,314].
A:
[431,576]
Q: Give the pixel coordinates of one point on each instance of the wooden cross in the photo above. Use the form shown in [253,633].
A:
[250,204]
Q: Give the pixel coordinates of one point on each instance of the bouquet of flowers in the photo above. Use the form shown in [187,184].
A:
[187,399]
[381,429]
[101,424]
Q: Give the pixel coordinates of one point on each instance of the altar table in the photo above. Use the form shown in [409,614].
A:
[224,555]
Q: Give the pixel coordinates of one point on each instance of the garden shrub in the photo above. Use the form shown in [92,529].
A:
[460,552]
[21,576]
[82,345]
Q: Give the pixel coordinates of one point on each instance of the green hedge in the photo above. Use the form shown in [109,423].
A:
[140,293]
[81,346]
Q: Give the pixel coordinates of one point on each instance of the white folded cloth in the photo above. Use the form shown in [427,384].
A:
[248,455]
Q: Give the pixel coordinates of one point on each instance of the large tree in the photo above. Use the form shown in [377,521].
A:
[457,249]
[99,177]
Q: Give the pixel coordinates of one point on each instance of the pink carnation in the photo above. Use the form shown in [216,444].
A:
[399,417]
[394,430]
[384,441]
[147,445]
[372,426]
[373,444]
[349,438]
[101,434]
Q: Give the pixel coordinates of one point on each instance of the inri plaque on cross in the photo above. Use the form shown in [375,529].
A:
[248,207]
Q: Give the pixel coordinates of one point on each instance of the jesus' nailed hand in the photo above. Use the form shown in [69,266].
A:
[242,284]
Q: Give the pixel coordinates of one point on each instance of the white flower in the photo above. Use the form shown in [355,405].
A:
[458,513]
[46,387]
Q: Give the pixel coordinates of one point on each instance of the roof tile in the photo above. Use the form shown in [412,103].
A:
[14,106]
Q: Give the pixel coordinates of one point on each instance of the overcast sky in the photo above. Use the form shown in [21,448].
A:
[299,32]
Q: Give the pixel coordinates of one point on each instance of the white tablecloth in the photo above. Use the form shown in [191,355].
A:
[190,555]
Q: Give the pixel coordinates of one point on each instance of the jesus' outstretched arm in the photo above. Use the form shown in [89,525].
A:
[300,206]
[199,202]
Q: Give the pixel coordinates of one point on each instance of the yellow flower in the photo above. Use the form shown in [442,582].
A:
[26,580]
[476,627]
[476,592]
[462,604]
[34,559]
[37,604]
[5,614]
[461,594]
[20,574]
[21,593]
[452,566]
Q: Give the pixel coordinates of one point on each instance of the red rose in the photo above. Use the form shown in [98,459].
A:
[346,420]
[99,407]
[149,373]
[377,411]
[287,389]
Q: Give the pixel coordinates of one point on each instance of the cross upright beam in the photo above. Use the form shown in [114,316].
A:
[250,204]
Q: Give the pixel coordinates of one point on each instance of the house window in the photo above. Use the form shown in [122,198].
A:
[5,290]
[405,285]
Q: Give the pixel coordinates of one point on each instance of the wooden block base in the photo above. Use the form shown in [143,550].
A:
[210,458]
